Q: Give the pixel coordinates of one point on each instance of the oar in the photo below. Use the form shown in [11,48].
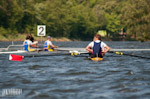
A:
[132,55]
[75,53]
[14,57]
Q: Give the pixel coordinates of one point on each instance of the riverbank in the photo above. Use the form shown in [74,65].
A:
[21,37]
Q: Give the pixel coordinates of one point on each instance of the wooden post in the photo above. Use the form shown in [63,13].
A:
[41,39]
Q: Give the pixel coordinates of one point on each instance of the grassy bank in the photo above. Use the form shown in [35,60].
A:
[21,37]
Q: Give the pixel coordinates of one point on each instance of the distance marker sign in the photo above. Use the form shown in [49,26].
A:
[41,30]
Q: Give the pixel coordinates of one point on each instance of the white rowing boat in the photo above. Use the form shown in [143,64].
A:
[20,47]
[13,52]
[10,50]
[64,51]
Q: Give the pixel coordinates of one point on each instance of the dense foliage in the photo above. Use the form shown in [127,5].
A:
[79,19]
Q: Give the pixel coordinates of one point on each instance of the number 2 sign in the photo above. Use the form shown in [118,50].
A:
[41,30]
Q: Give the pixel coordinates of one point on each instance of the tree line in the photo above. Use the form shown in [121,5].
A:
[76,19]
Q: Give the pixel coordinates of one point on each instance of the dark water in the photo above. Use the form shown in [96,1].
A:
[68,77]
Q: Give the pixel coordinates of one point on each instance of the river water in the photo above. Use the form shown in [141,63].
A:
[68,77]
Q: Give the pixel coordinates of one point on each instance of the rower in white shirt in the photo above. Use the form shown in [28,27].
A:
[28,44]
[97,48]
[48,46]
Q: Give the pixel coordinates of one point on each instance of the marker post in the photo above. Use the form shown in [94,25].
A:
[41,31]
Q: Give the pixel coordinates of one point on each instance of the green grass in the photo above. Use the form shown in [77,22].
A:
[21,37]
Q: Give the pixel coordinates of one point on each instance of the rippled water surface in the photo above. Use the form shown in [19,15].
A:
[68,77]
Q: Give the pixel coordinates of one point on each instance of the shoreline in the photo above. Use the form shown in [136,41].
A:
[21,37]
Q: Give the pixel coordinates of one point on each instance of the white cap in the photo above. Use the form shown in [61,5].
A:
[48,37]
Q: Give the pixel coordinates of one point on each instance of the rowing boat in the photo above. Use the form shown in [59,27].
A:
[13,52]
[20,47]
[96,59]
[64,51]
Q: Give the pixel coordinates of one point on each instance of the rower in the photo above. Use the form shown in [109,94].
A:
[97,48]
[28,44]
[34,43]
[48,46]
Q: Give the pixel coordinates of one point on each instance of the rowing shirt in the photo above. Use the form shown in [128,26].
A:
[27,44]
[97,47]
[47,45]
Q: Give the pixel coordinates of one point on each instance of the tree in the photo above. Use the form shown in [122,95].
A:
[136,18]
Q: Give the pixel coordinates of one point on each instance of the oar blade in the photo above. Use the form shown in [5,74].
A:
[13,57]
[119,53]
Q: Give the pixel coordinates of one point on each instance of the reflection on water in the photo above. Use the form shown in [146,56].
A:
[58,77]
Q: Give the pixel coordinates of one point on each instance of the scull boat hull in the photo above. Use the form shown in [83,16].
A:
[96,59]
